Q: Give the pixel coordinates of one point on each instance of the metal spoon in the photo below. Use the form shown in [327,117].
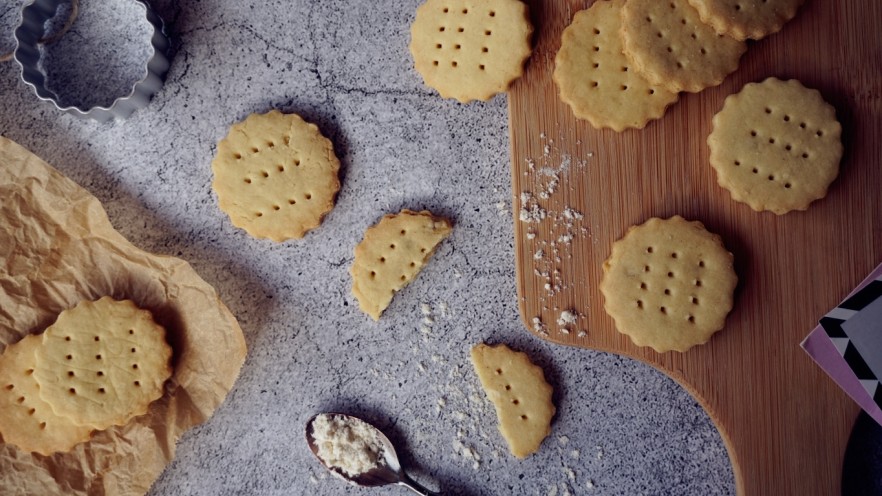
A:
[384,474]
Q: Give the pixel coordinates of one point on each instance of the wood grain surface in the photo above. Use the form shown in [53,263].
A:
[784,422]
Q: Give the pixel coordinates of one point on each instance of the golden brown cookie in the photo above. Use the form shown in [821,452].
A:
[391,255]
[275,175]
[669,45]
[668,284]
[25,419]
[595,78]
[519,393]
[742,19]
[102,363]
[776,145]
[470,50]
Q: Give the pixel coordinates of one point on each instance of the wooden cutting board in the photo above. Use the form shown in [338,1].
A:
[784,422]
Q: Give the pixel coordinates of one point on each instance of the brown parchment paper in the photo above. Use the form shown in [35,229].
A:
[57,247]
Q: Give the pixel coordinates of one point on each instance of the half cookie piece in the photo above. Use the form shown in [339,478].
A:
[669,284]
[26,420]
[391,254]
[596,79]
[519,393]
[742,19]
[275,175]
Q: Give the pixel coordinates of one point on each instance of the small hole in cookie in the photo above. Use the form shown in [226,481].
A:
[663,310]
[703,51]
[271,144]
[672,5]
[296,162]
[624,69]
[651,91]
[642,285]
[523,417]
[134,350]
[596,48]
[683,21]
[281,168]
[515,401]
[819,134]
[498,371]
[237,156]
[373,274]
[454,64]
[70,373]
[276,207]
[639,303]
[753,133]
[802,125]
[441,29]
[32,411]
[772,141]
[42,425]
[648,249]
[382,259]
[595,65]
[439,46]
[648,19]
[492,14]
[624,87]
[403,232]
[29,371]
[487,33]
[701,263]
[101,390]
[422,250]
[670,49]
[392,246]
[137,383]
[435,62]
[788,148]
[596,31]
[481,67]
[698,283]
[508,387]
[134,366]
[292,201]
[674,255]
[72,391]
[485,49]
[21,399]
[805,155]
[461,29]
[69,357]
[694,300]
[771,177]
[465,11]
[645,268]
[403,278]
[786,118]
[737,163]
[446,10]
[667,292]
[247,180]
[693,36]
[100,373]
[670,274]
[787,185]
[755,170]
[258,214]
[594,84]
[679,65]
[67,338]
[458,47]
[264,173]
[97,357]
[768,110]
[254,149]
[691,319]
[738,7]
[413,264]
[308,196]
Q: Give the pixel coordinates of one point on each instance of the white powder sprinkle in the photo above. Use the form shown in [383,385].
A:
[589,484]
[425,309]
[567,317]
[570,474]
[563,440]
[538,255]
[531,235]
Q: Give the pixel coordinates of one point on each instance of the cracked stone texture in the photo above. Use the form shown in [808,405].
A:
[621,429]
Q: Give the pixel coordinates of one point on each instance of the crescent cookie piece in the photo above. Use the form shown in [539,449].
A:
[391,255]
[102,363]
[776,145]
[742,19]
[596,79]
[275,175]
[25,419]
[520,395]
[667,42]
[669,284]
[468,49]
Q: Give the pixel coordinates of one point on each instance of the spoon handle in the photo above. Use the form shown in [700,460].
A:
[414,486]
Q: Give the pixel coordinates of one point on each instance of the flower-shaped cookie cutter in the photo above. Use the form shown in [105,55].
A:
[31,34]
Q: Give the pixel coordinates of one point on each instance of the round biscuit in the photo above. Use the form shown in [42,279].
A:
[669,284]
[470,50]
[595,78]
[275,175]
[776,146]
[669,44]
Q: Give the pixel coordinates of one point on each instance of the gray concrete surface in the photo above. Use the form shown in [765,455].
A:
[621,427]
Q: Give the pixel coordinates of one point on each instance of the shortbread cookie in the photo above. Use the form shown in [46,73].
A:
[776,146]
[595,78]
[742,19]
[25,419]
[391,254]
[470,50]
[275,175]
[519,393]
[102,363]
[670,46]
[668,284]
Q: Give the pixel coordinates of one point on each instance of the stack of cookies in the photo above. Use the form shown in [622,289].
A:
[622,62]
[99,365]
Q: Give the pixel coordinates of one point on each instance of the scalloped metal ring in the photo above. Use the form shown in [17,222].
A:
[31,31]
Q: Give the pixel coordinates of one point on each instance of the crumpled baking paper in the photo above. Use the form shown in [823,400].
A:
[57,247]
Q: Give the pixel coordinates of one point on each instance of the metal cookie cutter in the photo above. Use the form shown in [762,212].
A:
[31,34]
